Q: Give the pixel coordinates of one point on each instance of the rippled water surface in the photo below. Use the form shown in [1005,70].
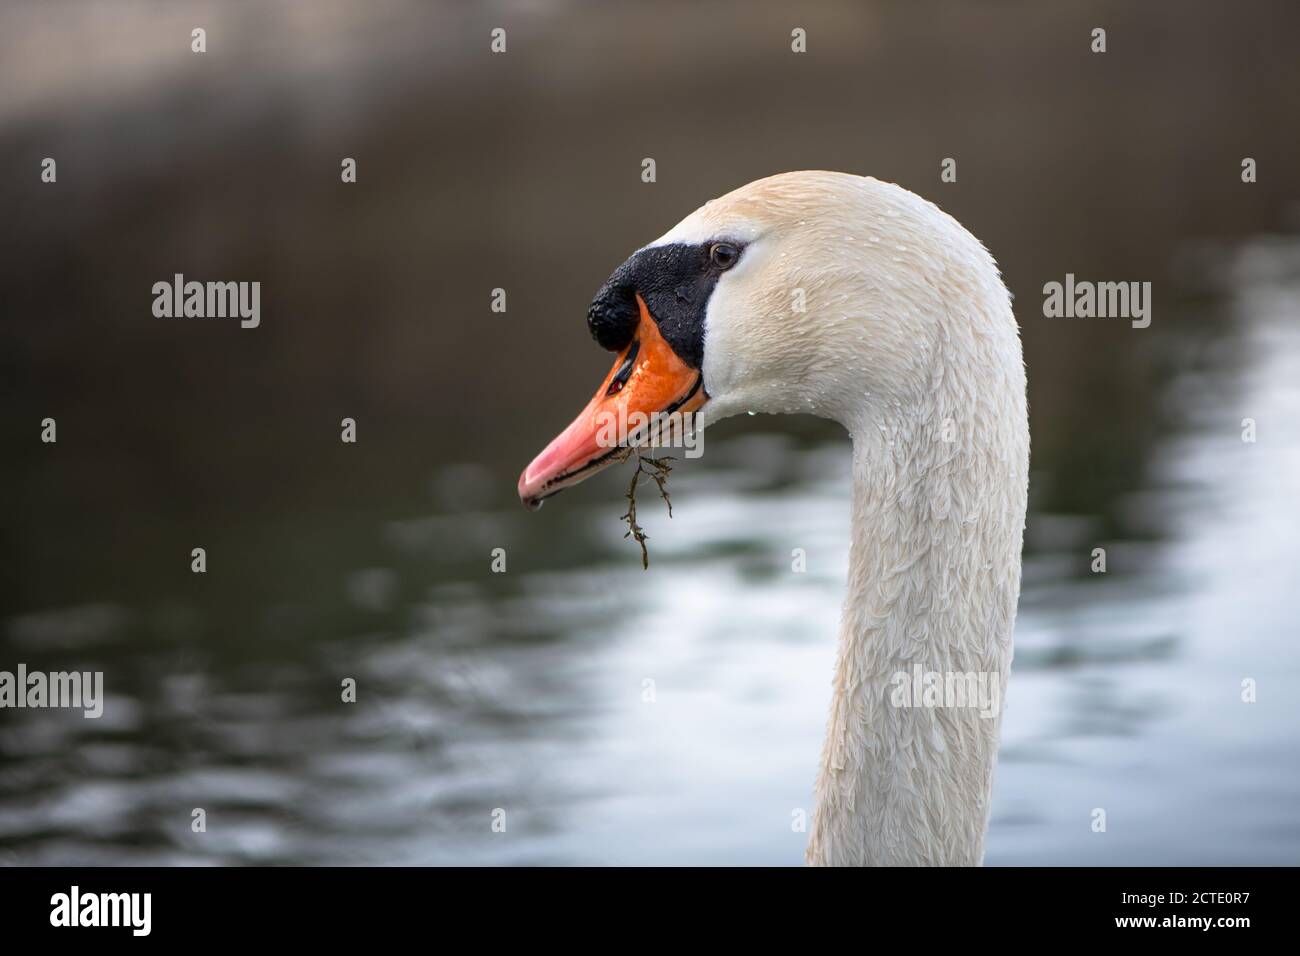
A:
[526,690]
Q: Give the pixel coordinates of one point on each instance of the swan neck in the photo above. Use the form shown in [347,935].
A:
[934,571]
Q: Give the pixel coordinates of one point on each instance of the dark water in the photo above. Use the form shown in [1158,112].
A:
[525,691]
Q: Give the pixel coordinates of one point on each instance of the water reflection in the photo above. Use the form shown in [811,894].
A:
[1133,695]
[527,691]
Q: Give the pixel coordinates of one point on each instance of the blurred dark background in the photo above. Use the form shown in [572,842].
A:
[519,171]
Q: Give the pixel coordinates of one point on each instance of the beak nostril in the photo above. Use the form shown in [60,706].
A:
[625,370]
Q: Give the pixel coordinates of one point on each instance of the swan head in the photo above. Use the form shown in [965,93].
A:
[807,292]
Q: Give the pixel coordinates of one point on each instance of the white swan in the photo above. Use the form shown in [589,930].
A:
[906,337]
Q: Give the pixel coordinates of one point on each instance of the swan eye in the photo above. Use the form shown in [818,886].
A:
[723,255]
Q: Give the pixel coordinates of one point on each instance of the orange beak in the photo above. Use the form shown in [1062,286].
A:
[647,379]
